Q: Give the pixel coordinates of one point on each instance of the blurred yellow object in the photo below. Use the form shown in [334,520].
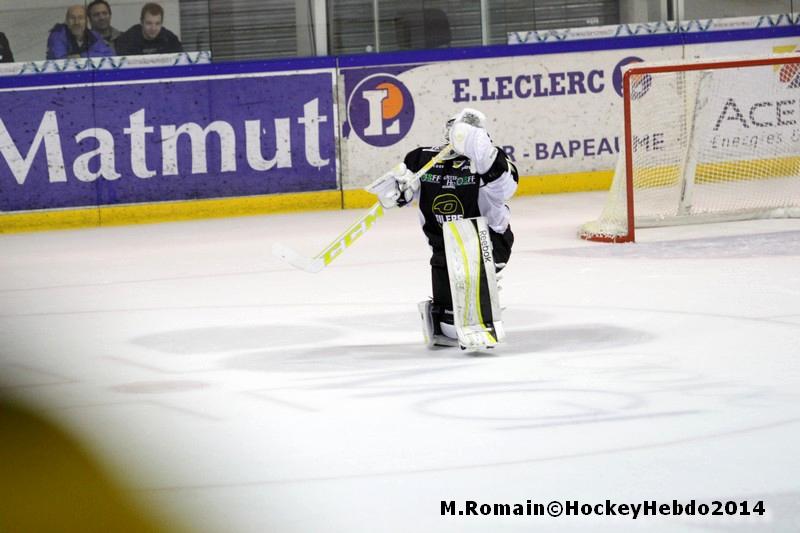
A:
[50,483]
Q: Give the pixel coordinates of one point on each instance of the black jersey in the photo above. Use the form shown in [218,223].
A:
[450,191]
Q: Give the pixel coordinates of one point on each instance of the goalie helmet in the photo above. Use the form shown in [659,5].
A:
[473,117]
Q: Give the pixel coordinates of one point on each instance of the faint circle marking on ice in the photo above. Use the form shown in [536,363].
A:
[526,404]
[317,359]
[218,339]
[571,338]
[159,387]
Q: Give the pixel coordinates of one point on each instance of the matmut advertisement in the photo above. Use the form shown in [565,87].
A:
[182,139]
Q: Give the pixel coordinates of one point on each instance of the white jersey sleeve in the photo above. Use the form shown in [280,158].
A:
[492,198]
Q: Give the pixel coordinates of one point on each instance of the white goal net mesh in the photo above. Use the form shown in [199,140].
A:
[718,142]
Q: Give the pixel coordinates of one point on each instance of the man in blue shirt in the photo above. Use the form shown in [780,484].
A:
[73,39]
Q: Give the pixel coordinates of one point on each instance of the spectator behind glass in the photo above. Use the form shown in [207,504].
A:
[149,37]
[5,50]
[100,17]
[73,39]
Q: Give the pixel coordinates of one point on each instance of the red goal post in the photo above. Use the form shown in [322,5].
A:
[705,141]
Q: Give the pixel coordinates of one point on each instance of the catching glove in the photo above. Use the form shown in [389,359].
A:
[396,188]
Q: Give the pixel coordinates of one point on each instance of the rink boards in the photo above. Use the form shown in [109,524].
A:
[144,145]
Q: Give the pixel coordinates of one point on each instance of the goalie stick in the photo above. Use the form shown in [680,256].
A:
[348,236]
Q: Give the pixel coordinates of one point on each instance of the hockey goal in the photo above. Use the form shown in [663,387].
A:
[708,141]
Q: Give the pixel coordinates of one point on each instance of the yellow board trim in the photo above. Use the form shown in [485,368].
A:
[356,199]
[727,171]
[599,180]
[118,215]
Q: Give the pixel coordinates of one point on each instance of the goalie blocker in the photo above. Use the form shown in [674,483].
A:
[476,315]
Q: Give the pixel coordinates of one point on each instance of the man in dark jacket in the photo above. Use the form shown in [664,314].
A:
[5,50]
[149,37]
[73,39]
[100,16]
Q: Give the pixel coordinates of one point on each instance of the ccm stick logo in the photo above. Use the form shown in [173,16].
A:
[380,110]
[352,234]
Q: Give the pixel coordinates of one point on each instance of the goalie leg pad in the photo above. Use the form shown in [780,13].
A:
[473,285]
[431,316]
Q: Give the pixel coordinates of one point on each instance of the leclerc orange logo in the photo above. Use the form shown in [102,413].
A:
[380,110]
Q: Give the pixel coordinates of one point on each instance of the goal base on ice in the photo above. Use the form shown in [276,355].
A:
[705,141]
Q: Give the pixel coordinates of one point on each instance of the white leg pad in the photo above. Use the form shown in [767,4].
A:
[473,285]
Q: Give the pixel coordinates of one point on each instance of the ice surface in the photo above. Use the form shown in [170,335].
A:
[244,395]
